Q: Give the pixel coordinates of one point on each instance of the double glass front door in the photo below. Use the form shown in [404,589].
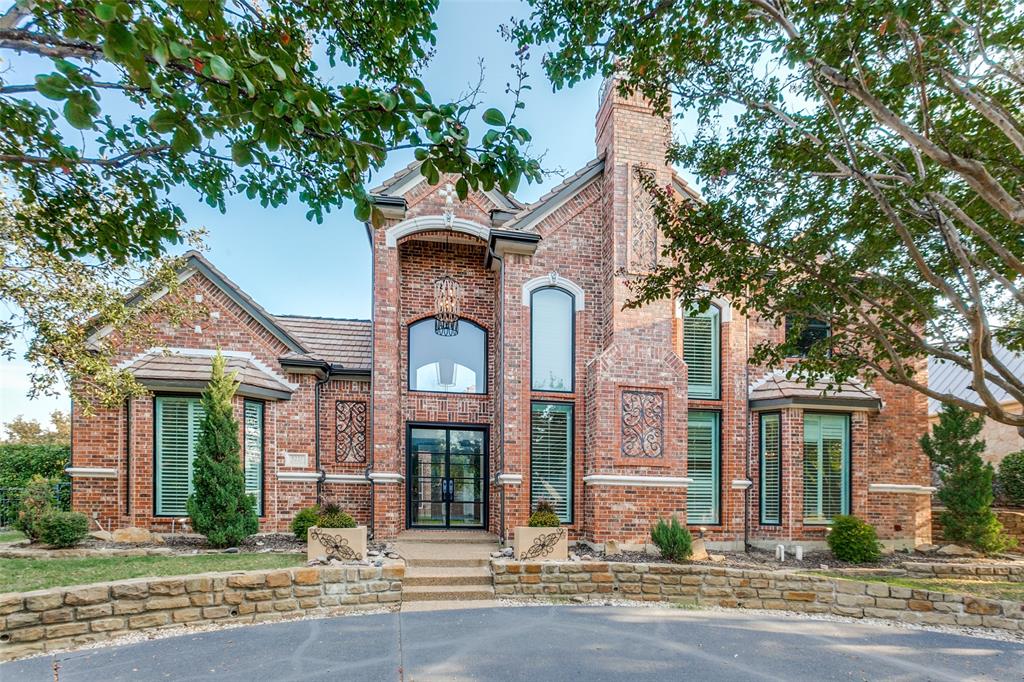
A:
[447,477]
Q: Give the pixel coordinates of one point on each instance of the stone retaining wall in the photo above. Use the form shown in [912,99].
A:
[739,588]
[1013,573]
[45,620]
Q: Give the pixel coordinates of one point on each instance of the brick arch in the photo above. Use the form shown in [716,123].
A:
[469,318]
[431,223]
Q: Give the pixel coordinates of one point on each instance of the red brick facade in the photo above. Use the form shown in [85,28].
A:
[591,235]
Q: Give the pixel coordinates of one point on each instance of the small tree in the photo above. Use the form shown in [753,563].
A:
[219,507]
[966,492]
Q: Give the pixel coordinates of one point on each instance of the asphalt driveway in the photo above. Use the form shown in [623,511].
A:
[542,644]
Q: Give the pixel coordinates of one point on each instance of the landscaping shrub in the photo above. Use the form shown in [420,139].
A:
[966,491]
[63,529]
[219,507]
[854,540]
[674,540]
[304,520]
[544,516]
[19,463]
[1011,478]
[37,501]
[331,516]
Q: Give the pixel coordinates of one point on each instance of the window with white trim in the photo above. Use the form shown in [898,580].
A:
[826,467]
[551,426]
[702,352]
[703,462]
[551,339]
[771,469]
[176,432]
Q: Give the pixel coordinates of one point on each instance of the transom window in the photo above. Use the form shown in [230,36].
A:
[826,467]
[551,340]
[447,364]
[702,352]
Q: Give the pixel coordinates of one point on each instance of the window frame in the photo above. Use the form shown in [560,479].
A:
[760,469]
[716,464]
[847,486]
[572,339]
[261,502]
[408,358]
[571,484]
[786,326]
[716,350]
[156,398]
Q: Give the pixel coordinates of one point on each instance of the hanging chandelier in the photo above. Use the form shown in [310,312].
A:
[447,299]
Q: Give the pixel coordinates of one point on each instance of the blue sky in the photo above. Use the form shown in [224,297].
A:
[294,266]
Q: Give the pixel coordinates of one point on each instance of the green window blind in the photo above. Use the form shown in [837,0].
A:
[826,466]
[701,346]
[177,428]
[771,469]
[254,452]
[551,457]
[702,465]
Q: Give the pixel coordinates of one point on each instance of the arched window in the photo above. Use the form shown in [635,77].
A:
[552,339]
[702,333]
[447,364]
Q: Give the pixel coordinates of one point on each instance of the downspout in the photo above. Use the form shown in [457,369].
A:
[373,375]
[746,412]
[500,424]
[128,457]
[316,403]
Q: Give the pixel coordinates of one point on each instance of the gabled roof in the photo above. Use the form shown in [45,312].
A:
[948,377]
[776,390]
[189,369]
[342,342]
[557,196]
[407,178]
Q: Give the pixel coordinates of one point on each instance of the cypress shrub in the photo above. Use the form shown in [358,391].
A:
[219,507]
[673,539]
[37,502]
[1011,478]
[304,520]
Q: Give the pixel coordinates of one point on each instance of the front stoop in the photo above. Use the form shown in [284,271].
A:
[446,566]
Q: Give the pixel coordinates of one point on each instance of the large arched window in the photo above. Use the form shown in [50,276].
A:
[447,364]
[702,333]
[552,339]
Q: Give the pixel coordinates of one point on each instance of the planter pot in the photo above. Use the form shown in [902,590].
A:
[541,544]
[343,544]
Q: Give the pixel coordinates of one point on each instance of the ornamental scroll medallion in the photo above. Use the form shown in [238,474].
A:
[335,546]
[350,431]
[543,545]
[643,424]
[643,226]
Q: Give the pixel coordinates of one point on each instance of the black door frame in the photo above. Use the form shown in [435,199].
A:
[450,426]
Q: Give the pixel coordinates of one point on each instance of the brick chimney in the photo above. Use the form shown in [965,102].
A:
[632,139]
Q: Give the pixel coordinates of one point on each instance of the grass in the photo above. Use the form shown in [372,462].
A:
[11,535]
[988,589]
[23,575]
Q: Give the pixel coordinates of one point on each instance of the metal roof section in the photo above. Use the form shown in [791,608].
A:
[948,377]
[775,390]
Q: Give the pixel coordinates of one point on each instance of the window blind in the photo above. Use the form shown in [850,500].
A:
[701,333]
[826,466]
[254,452]
[702,464]
[771,469]
[177,428]
[551,457]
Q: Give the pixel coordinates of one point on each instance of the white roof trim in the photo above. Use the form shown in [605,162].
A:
[415,177]
[555,202]
[900,488]
[186,273]
[722,304]
[553,279]
[91,472]
[425,223]
[638,481]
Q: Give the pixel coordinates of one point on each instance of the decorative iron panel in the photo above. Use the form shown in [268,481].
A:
[350,431]
[643,424]
[643,226]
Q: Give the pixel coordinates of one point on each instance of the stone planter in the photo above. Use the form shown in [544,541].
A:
[541,544]
[343,544]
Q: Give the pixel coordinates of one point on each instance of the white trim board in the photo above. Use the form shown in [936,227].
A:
[638,481]
[427,223]
[91,472]
[900,488]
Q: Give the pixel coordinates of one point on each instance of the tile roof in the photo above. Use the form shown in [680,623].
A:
[948,377]
[191,367]
[342,342]
[776,386]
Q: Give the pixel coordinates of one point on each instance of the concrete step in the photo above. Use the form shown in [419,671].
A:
[422,576]
[449,537]
[447,592]
[445,562]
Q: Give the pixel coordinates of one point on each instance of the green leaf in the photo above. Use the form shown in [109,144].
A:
[241,154]
[105,12]
[221,69]
[298,126]
[186,138]
[77,114]
[363,209]
[279,73]
[249,87]
[120,39]
[163,121]
[494,117]
[160,54]
[53,86]
[179,51]
[462,188]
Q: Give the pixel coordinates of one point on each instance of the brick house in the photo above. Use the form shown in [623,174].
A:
[500,368]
